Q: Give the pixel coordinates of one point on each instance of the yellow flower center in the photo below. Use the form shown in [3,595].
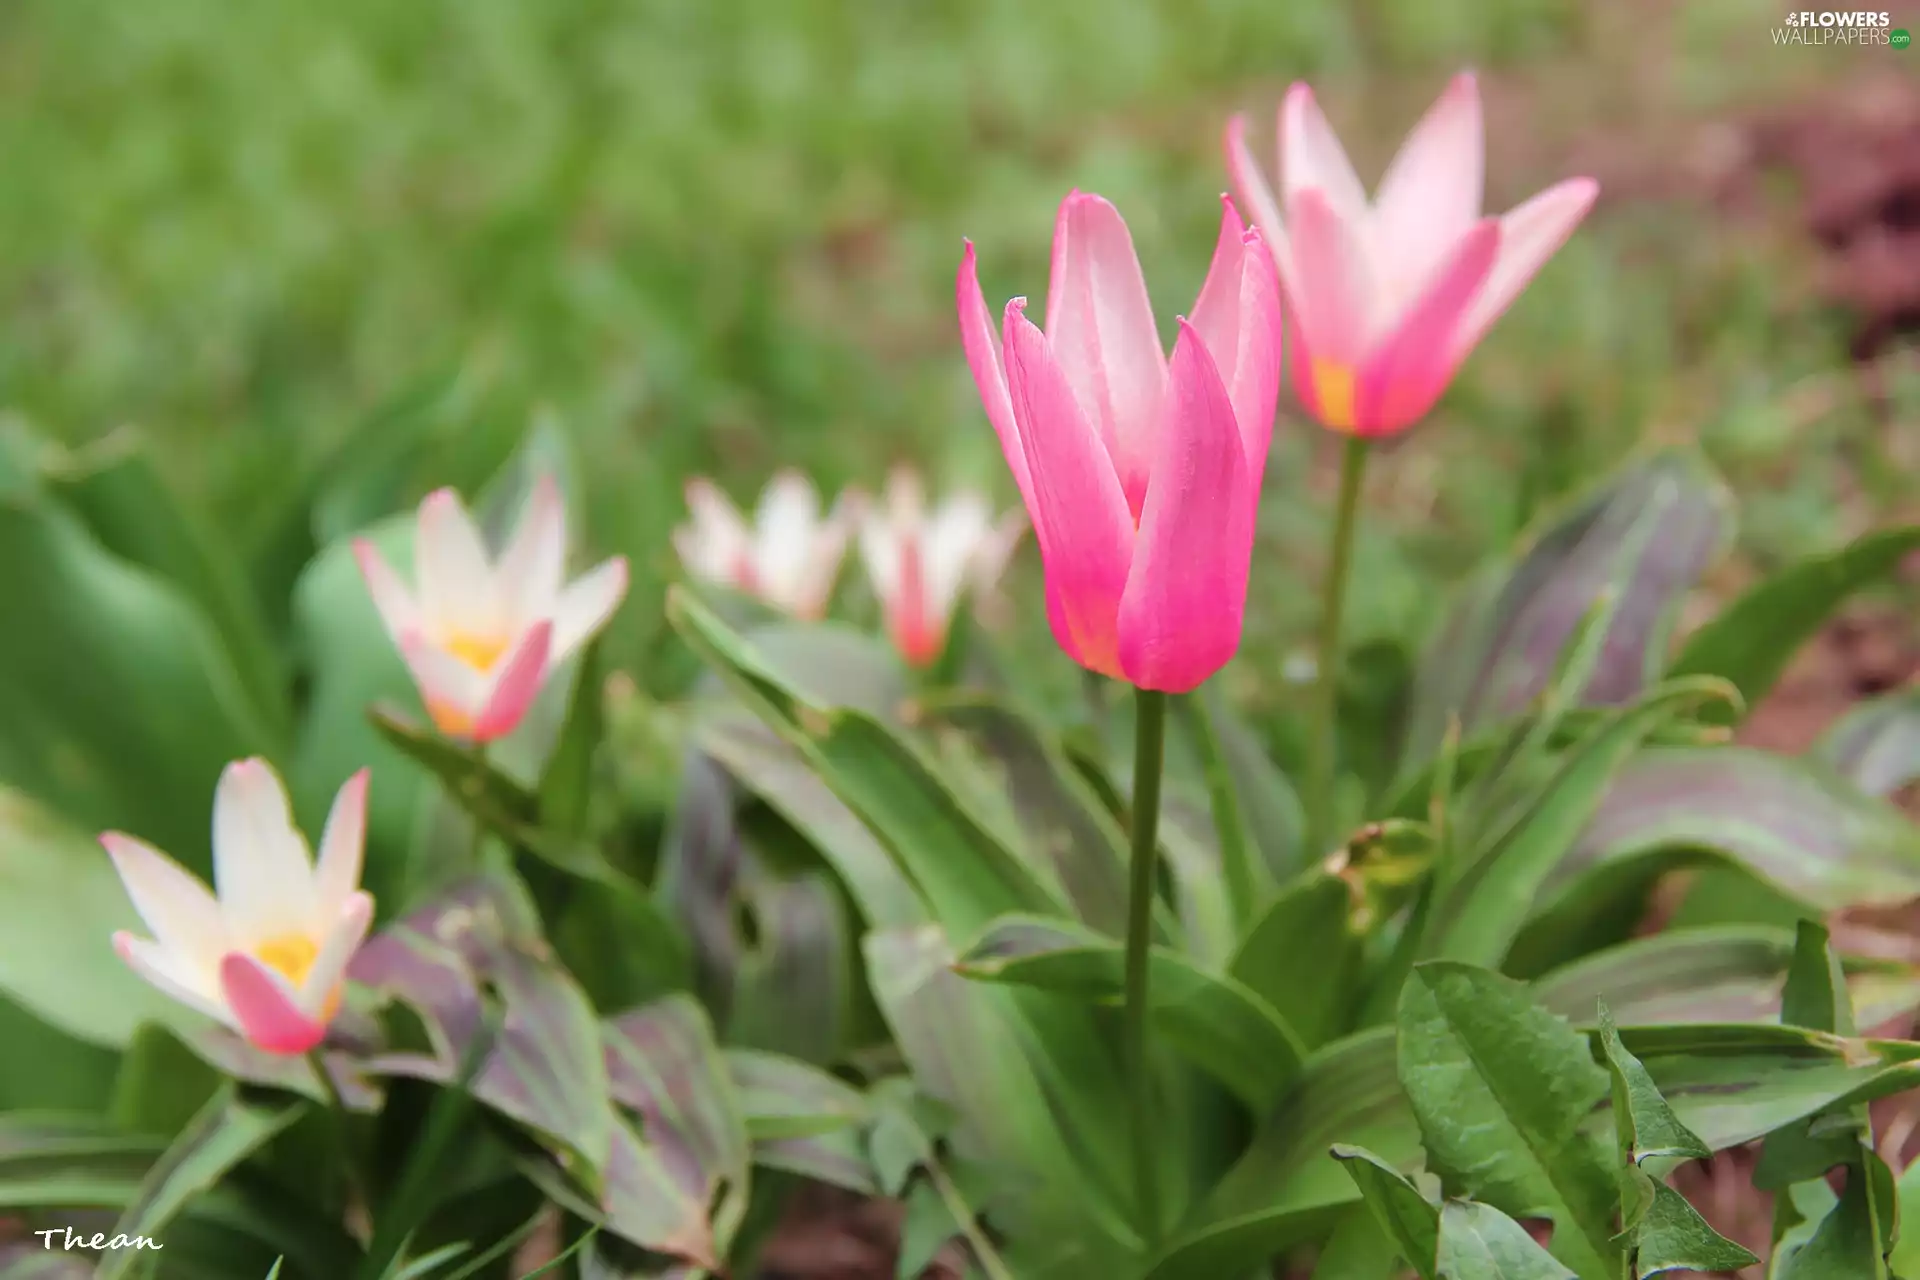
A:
[291,955]
[478,651]
[1333,388]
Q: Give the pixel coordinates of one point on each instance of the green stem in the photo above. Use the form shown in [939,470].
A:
[1325,745]
[1149,749]
[479,784]
[358,1188]
[1236,856]
[983,1251]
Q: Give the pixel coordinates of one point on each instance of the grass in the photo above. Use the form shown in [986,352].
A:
[720,238]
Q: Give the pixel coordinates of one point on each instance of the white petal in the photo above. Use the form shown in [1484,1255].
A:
[391,598]
[585,606]
[813,586]
[260,862]
[880,553]
[170,974]
[990,558]
[1311,157]
[785,526]
[954,535]
[344,934]
[183,915]
[716,543]
[1430,196]
[533,567]
[450,561]
[342,849]
[447,685]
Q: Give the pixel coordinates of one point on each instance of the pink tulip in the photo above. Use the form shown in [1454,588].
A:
[1141,474]
[788,555]
[1387,298]
[268,956]
[921,562]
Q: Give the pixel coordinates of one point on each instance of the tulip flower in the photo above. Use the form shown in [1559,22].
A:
[481,635]
[1141,474]
[1387,298]
[920,561]
[268,956]
[788,558]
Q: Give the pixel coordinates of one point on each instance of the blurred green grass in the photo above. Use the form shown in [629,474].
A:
[720,237]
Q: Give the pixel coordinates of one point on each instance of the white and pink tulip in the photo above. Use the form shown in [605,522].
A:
[921,561]
[787,557]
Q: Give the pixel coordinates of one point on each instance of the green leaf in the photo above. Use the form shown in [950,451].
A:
[71,1161]
[1268,803]
[226,1131]
[783,1097]
[566,784]
[1358,1251]
[1501,1089]
[1482,910]
[139,742]
[60,904]
[1905,1259]
[793,991]
[926,1227]
[1497,646]
[1302,956]
[1726,973]
[1064,825]
[1816,998]
[1216,1023]
[1408,1218]
[1846,1244]
[1751,640]
[1876,745]
[1672,1236]
[1646,1125]
[162,1083]
[1478,1242]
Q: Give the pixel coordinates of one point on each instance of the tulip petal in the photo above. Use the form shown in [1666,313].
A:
[344,932]
[1250,186]
[1409,369]
[989,373]
[785,525]
[336,874]
[813,584]
[165,970]
[716,544]
[1180,617]
[183,915]
[1101,332]
[1331,294]
[450,565]
[1312,159]
[261,867]
[533,567]
[990,560]
[584,607]
[1529,235]
[391,599]
[1079,510]
[266,1007]
[955,535]
[1431,193]
[515,683]
[1238,318]
[452,690]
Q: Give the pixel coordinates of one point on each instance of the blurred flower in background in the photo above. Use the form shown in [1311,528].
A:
[268,956]
[480,635]
[787,558]
[1141,474]
[1386,298]
[921,561]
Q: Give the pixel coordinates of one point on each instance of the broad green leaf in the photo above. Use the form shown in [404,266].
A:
[663,1063]
[926,1226]
[1496,648]
[1502,1090]
[837,1158]
[1905,1259]
[1410,1220]
[1268,803]
[782,1097]
[1062,821]
[226,1131]
[1646,1125]
[1358,1250]
[697,873]
[1482,910]
[1302,956]
[1478,1242]
[162,1084]
[120,701]
[1815,997]
[1846,1244]
[1876,745]
[114,486]
[1672,1236]
[1217,1023]
[637,1199]
[1752,639]
[566,781]
[71,1161]
[60,904]
[793,992]
[1725,973]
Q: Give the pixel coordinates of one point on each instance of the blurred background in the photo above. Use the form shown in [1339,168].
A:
[330,256]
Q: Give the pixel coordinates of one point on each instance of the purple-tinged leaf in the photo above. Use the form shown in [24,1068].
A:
[794,990]
[637,1199]
[1498,646]
[546,1069]
[1876,746]
[784,1098]
[838,1159]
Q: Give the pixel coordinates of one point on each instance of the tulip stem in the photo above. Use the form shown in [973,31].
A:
[1149,750]
[1325,746]
[358,1188]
